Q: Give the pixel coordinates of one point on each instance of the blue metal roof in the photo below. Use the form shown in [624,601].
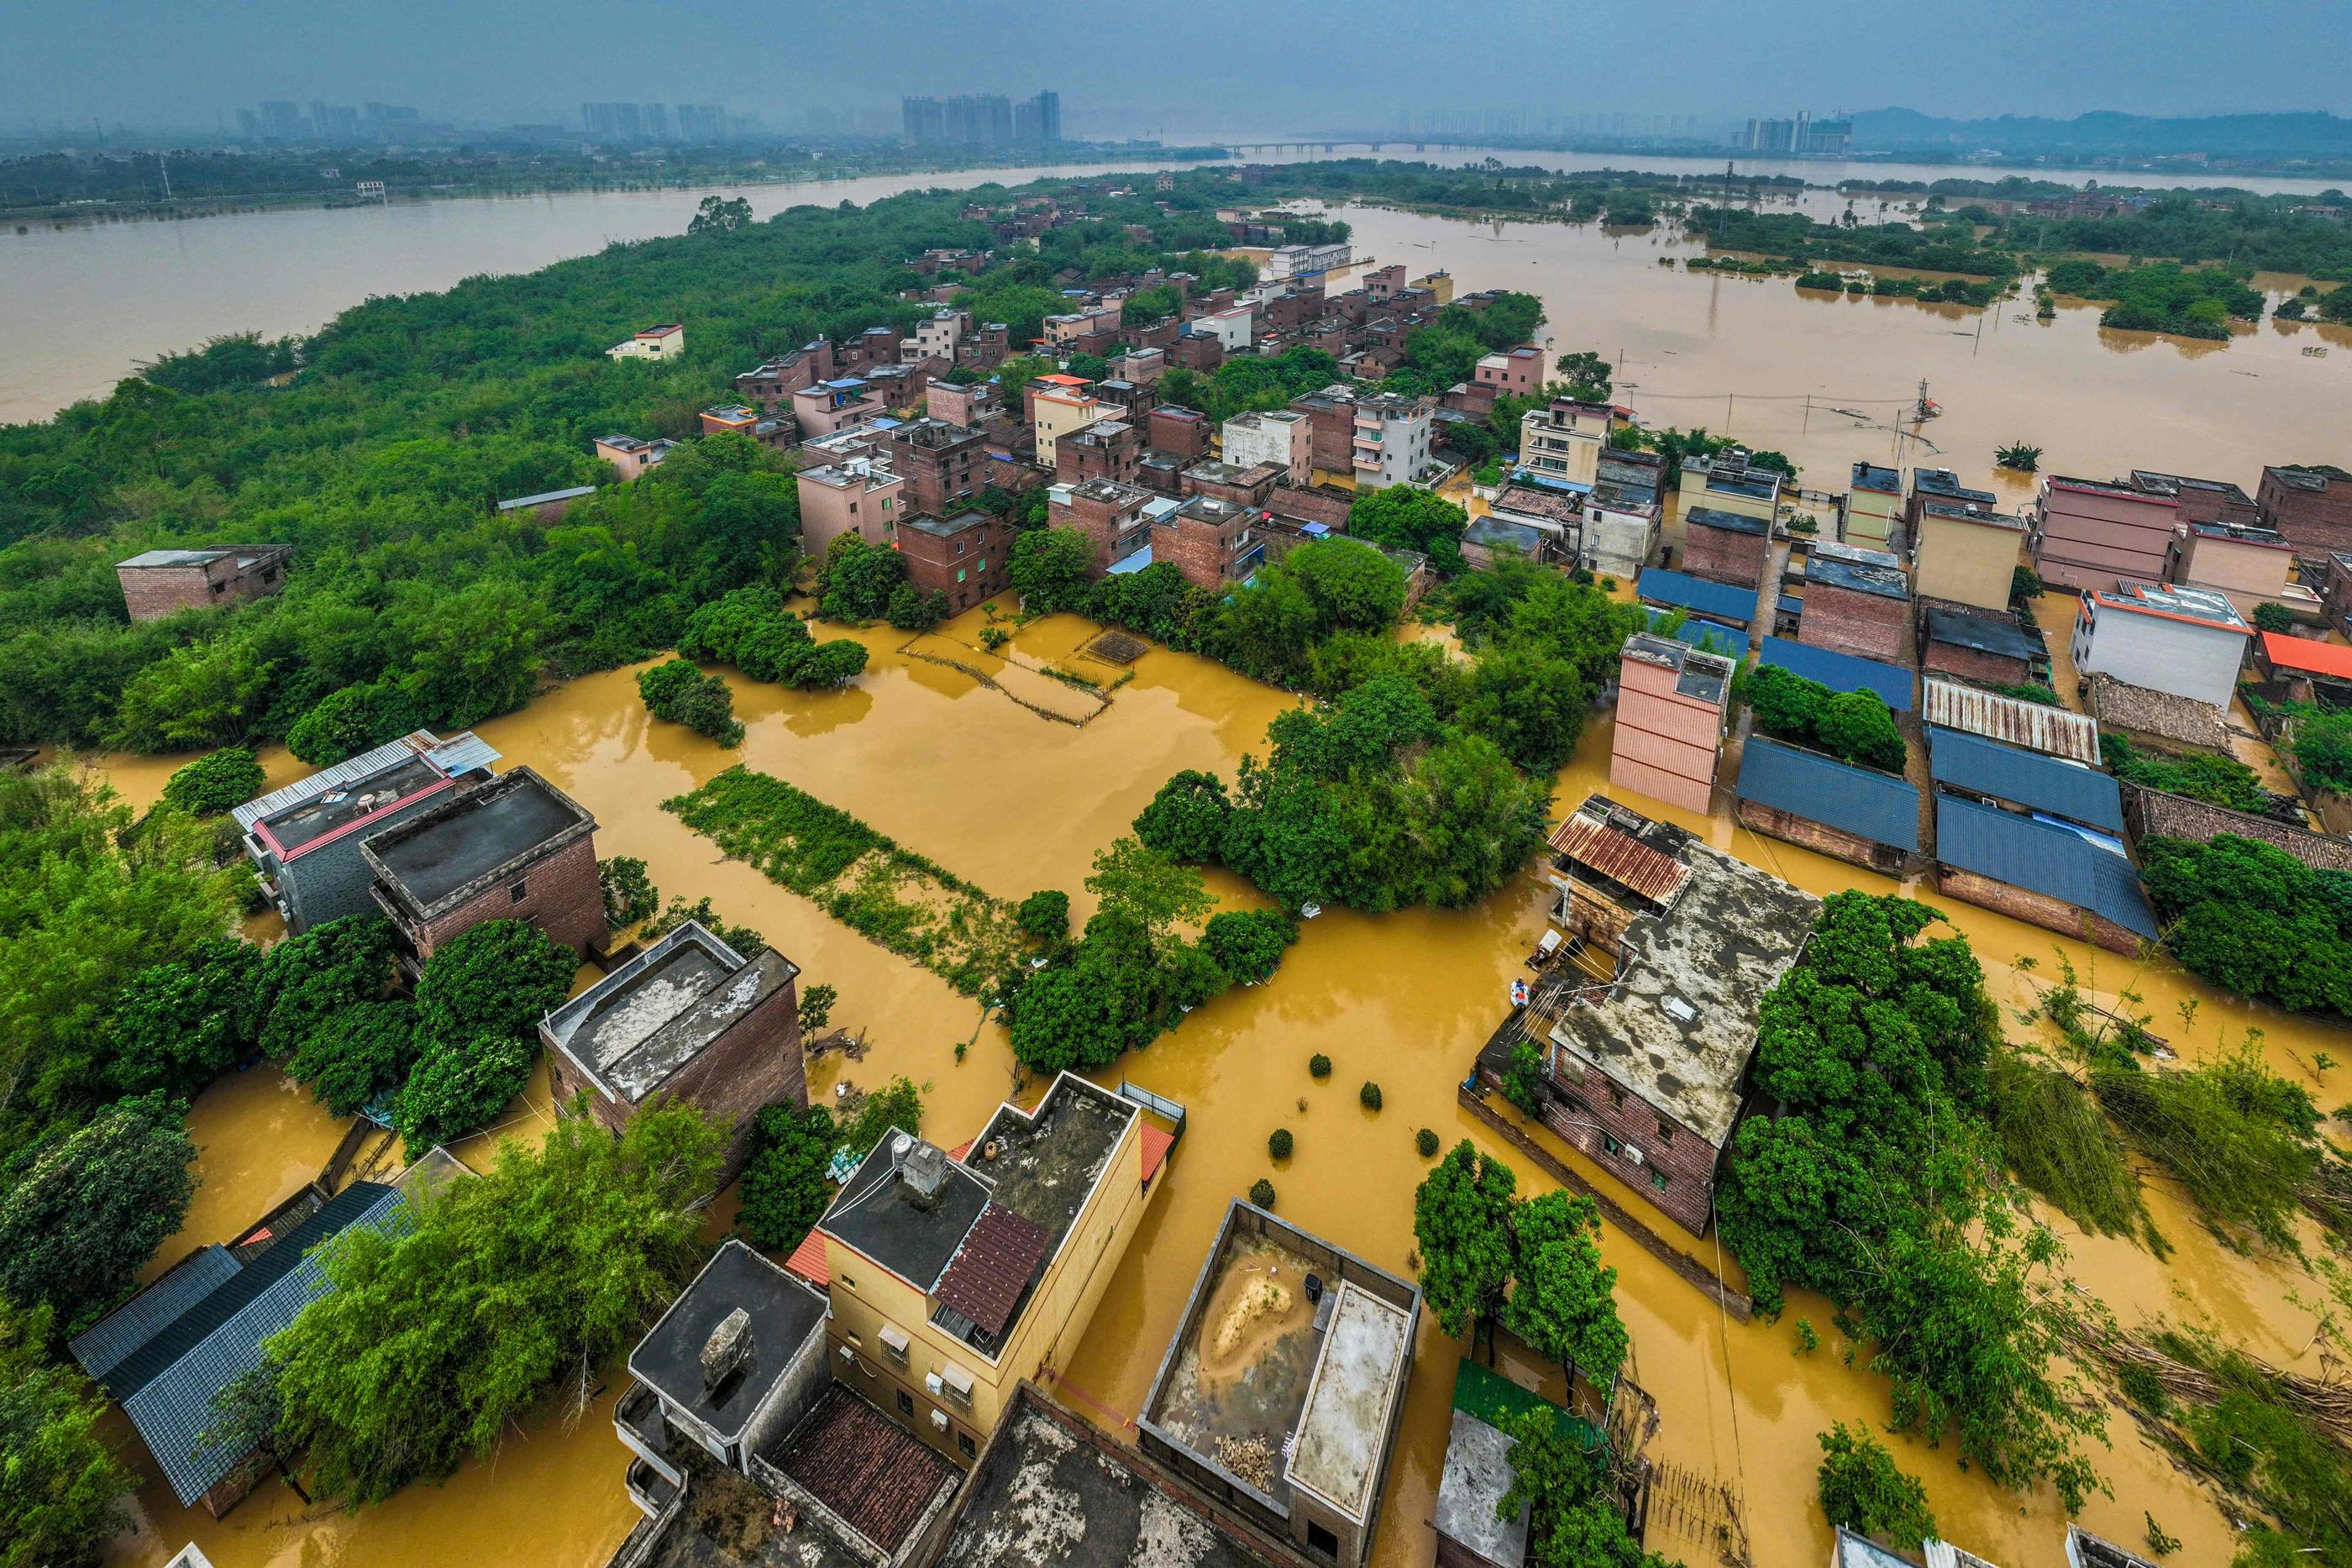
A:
[1840,672]
[1696,594]
[1135,562]
[169,1386]
[2065,790]
[1879,807]
[2050,861]
[1704,634]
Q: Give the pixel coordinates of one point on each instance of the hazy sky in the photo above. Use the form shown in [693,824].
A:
[1204,64]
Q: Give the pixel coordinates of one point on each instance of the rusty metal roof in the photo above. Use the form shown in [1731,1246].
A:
[1000,1255]
[1655,877]
[2035,725]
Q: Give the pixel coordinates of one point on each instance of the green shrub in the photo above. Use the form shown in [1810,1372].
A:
[683,694]
[456,1087]
[785,1189]
[629,893]
[1045,917]
[1319,1065]
[1261,1192]
[2273,617]
[355,1059]
[215,782]
[1278,1145]
[1425,1141]
[500,978]
[1370,1095]
[1863,1488]
[1523,1080]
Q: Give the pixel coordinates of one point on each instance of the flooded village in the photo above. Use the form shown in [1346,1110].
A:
[1059,1312]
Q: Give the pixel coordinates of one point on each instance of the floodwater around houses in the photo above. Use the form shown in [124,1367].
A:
[1014,801]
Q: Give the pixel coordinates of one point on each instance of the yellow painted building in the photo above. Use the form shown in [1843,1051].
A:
[1873,504]
[1728,483]
[1061,414]
[955,1276]
[1565,438]
[1966,554]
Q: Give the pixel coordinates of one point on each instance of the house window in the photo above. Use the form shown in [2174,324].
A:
[518,892]
[906,1404]
[965,1446]
[1322,1540]
[1609,1141]
[958,575]
[1657,1179]
[1665,1131]
[1616,1098]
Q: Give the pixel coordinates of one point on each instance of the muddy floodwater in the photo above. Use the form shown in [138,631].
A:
[1015,802]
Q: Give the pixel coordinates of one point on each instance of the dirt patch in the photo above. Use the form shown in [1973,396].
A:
[1261,1300]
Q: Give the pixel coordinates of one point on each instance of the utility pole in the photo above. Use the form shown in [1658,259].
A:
[164,170]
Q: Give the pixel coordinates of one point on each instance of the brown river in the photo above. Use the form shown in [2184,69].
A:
[1015,802]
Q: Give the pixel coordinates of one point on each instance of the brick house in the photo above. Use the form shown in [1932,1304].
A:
[2311,503]
[1854,814]
[1331,419]
[1978,645]
[969,405]
[1199,352]
[2039,872]
[1112,515]
[836,405]
[1108,449]
[943,465]
[1725,547]
[1646,1078]
[1514,372]
[2202,500]
[516,848]
[1182,432]
[1858,606]
[688,1018]
[1213,543]
[2250,566]
[1235,486]
[304,839]
[1671,699]
[160,583]
[967,557]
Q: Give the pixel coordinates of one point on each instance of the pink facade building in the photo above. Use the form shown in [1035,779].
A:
[1668,737]
[2088,535]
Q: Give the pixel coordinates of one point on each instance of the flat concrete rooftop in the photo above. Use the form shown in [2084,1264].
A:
[323,814]
[435,855]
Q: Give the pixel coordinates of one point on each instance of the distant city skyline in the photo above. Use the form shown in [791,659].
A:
[148,64]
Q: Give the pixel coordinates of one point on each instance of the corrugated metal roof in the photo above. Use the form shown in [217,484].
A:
[2042,858]
[544,497]
[1654,876]
[1879,807]
[461,752]
[1724,640]
[172,1406]
[1840,672]
[123,1331]
[1951,706]
[1682,590]
[350,770]
[1983,767]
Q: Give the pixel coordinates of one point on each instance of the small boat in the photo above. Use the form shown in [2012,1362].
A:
[1309,911]
[1518,993]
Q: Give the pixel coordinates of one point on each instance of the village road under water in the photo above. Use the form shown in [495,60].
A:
[1014,802]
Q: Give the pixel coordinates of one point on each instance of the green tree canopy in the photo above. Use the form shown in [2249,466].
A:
[499,978]
[1461,1224]
[82,1212]
[60,1486]
[504,1289]
[1563,1297]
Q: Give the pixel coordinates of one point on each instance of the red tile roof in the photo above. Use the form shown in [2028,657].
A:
[809,1263]
[2286,652]
[998,1255]
[1156,1145]
[860,1464]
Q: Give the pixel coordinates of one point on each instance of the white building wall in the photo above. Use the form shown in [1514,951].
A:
[2181,657]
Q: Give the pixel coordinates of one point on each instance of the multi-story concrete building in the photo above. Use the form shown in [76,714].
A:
[1235,329]
[1182,432]
[1728,483]
[857,496]
[160,583]
[2091,535]
[1672,701]
[1389,443]
[1326,1367]
[1565,439]
[1940,484]
[773,381]
[2202,500]
[1107,449]
[938,335]
[2250,566]
[944,465]
[1306,260]
[1060,411]
[1624,513]
[1513,372]
[966,556]
[972,404]
[2190,642]
[630,457]
[1964,554]
[1116,518]
[666,342]
[1331,418]
[1873,501]
[516,848]
[1647,1077]
[837,404]
[692,1021]
[1213,543]
[2311,503]
[772,431]
[1283,438]
[304,840]
[953,1279]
